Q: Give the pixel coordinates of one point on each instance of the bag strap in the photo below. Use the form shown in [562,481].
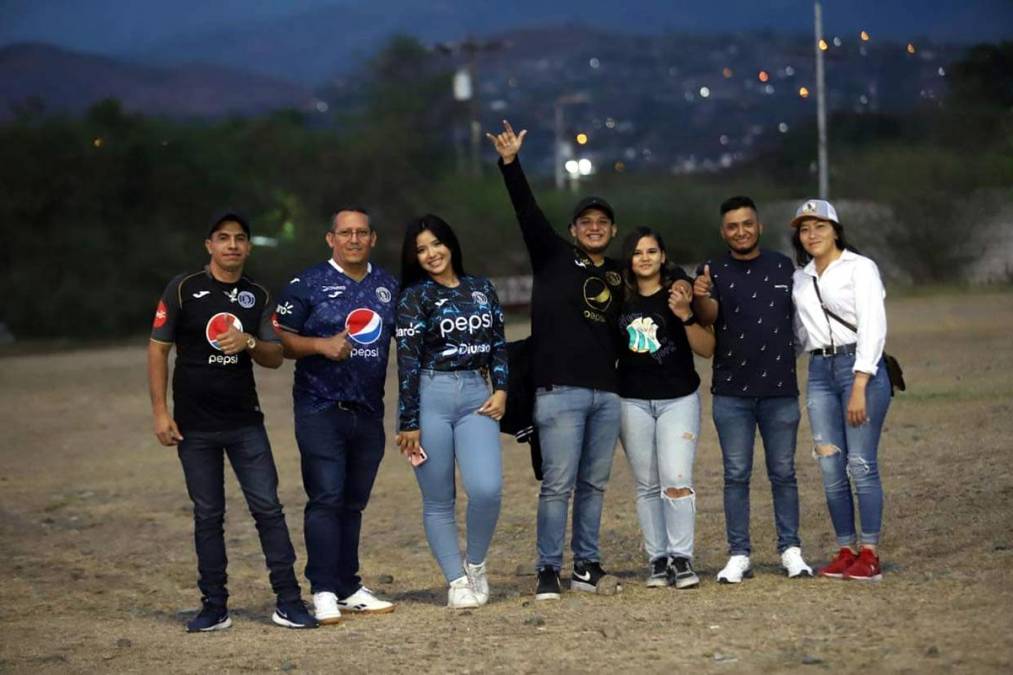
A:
[830,314]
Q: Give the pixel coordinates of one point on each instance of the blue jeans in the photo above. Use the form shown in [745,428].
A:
[855,448]
[660,439]
[341,452]
[736,420]
[202,454]
[578,429]
[452,429]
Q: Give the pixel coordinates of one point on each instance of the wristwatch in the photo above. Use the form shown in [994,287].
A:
[690,321]
[251,343]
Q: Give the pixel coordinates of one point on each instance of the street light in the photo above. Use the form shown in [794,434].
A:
[559,169]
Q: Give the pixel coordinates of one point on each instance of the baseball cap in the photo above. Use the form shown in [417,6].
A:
[592,203]
[228,215]
[815,208]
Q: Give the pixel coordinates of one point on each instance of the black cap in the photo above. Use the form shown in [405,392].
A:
[227,216]
[593,203]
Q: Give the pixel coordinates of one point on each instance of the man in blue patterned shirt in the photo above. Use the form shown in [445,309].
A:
[337,319]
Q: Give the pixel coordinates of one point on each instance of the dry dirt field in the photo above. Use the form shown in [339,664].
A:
[98,567]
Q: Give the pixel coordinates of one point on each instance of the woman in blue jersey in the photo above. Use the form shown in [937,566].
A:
[449,335]
[660,403]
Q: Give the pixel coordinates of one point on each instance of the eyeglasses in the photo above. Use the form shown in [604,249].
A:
[352,234]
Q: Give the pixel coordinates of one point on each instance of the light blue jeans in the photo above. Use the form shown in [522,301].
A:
[660,438]
[578,429]
[856,448]
[452,430]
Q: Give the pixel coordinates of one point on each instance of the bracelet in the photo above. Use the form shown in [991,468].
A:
[690,321]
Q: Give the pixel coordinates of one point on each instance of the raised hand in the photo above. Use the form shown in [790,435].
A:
[336,348]
[702,284]
[507,143]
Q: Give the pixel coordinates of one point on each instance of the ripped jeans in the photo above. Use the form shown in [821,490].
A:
[660,440]
[854,449]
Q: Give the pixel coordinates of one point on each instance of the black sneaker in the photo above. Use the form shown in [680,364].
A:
[211,617]
[659,573]
[293,615]
[548,584]
[590,577]
[681,574]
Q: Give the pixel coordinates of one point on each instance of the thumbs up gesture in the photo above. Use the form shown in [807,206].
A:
[336,348]
[702,284]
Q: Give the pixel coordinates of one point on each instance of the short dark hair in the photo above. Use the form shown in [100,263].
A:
[411,271]
[350,208]
[738,202]
[802,257]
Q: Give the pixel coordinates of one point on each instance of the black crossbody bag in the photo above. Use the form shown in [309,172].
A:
[893,369]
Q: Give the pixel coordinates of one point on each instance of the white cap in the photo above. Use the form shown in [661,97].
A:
[815,208]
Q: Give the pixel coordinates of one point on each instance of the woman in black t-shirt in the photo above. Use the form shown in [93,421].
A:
[660,403]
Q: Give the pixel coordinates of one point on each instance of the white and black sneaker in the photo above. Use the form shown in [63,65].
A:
[548,584]
[681,574]
[591,578]
[658,577]
[737,569]
[365,601]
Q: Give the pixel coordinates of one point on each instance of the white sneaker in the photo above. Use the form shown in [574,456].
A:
[737,569]
[366,602]
[793,564]
[479,581]
[325,608]
[461,595]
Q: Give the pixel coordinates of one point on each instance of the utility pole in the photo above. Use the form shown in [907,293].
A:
[466,89]
[821,105]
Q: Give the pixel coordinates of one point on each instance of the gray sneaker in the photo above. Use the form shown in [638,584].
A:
[681,574]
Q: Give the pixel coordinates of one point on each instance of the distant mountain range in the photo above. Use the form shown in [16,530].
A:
[312,41]
[63,81]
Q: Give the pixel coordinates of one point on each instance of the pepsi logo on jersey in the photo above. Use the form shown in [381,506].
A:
[469,323]
[218,324]
[364,327]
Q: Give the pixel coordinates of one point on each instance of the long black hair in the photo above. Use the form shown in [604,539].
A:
[411,271]
[669,272]
[802,257]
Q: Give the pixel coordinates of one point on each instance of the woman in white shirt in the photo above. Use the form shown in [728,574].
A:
[840,320]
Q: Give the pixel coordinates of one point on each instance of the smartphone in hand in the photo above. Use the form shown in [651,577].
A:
[419,457]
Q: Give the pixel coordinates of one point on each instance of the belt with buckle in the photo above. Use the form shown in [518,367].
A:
[833,351]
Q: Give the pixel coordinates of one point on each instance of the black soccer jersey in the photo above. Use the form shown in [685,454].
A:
[212,391]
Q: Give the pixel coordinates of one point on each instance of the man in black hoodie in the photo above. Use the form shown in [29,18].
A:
[575,306]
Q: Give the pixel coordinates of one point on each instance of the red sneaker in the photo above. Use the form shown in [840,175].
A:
[839,565]
[865,567]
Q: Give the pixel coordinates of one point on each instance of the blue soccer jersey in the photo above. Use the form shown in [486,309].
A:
[323,301]
[442,328]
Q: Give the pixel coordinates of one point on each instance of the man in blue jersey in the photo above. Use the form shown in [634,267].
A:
[337,319]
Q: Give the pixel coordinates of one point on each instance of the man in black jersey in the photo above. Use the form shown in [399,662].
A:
[220,323]
[575,308]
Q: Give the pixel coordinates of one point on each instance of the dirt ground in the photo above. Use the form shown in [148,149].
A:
[98,569]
